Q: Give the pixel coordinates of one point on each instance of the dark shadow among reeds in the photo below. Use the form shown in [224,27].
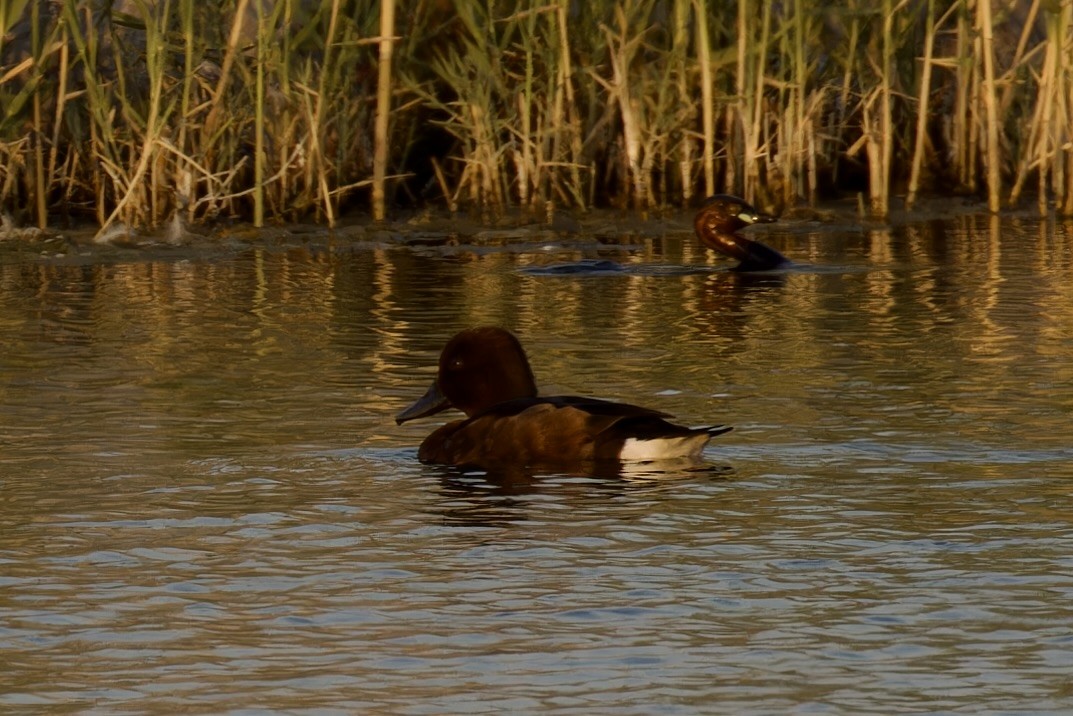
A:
[136,111]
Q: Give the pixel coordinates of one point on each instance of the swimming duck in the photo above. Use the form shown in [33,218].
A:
[716,225]
[485,373]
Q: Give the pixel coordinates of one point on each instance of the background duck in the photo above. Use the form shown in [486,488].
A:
[717,224]
[485,373]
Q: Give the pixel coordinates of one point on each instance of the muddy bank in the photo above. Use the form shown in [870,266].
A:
[430,229]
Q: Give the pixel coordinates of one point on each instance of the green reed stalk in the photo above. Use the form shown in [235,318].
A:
[10,13]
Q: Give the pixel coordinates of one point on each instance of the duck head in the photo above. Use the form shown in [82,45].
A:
[725,214]
[478,368]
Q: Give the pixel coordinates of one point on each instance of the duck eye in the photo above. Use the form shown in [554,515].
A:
[457,364]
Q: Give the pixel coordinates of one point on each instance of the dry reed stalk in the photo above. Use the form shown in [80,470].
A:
[849,76]
[754,145]
[621,51]
[873,145]
[383,107]
[41,201]
[990,101]
[798,146]
[102,141]
[61,104]
[529,179]
[924,94]
[814,110]
[259,121]
[680,44]
[210,132]
[964,82]
[1019,57]
[876,122]
[812,151]
[881,195]
[760,146]
[11,153]
[479,115]
[452,199]
[1040,146]
[1063,37]
[134,194]
[527,125]
[184,185]
[707,96]
[570,113]
[524,154]
[538,102]
[319,121]
[738,111]
[485,157]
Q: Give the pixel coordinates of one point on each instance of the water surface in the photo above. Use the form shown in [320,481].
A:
[206,506]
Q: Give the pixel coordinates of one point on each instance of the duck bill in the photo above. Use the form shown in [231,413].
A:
[751,216]
[432,402]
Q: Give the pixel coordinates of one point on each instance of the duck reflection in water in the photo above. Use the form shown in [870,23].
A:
[717,225]
[510,495]
[509,429]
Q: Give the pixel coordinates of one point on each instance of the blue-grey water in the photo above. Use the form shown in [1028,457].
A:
[206,506]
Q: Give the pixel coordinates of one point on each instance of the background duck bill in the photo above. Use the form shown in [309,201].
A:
[755,217]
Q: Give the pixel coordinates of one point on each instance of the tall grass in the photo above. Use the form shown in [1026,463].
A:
[139,111]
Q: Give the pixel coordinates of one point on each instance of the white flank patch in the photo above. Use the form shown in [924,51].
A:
[663,448]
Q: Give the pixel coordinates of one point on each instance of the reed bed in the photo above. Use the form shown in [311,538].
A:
[141,112]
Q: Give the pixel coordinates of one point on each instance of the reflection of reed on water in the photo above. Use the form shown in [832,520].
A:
[942,298]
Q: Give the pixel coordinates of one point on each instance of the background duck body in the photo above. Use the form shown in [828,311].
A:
[717,224]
